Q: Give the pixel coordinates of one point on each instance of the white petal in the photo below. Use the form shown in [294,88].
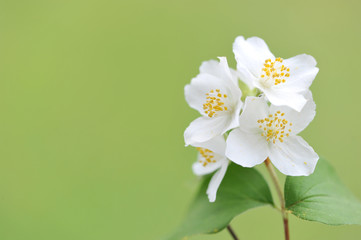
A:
[204,128]
[303,71]
[294,157]
[232,75]
[199,169]
[211,67]
[234,118]
[286,97]
[214,75]
[246,76]
[216,181]
[229,73]
[195,93]
[299,120]
[255,108]
[216,145]
[218,69]
[251,54]
[246,149]
[235,76]
[301,61]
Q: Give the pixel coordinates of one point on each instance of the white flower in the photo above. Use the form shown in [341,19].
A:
[211,157]
[271,131]
[282,81]
[216,95]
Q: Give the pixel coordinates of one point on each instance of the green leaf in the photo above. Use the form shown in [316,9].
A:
[240,190]
[322,197]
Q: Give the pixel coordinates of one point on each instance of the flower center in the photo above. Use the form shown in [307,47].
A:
[207,156]
[274,72]
[214,103]
[275,127]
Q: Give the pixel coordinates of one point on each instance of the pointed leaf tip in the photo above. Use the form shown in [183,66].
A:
[322,197]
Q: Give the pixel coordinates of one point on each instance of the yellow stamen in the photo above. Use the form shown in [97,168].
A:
[207,156]
[277,71]
[214,103]
[274,127]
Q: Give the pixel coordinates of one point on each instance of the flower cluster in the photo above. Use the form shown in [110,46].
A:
[278,105]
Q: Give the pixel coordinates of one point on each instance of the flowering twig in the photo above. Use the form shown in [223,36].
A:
[230,230]
[280,195]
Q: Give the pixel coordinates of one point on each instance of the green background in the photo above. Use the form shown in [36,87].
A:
[93,111]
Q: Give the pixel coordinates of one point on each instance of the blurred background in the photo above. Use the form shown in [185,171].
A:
[93,111]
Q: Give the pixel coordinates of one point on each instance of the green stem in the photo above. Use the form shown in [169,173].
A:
[277,184]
